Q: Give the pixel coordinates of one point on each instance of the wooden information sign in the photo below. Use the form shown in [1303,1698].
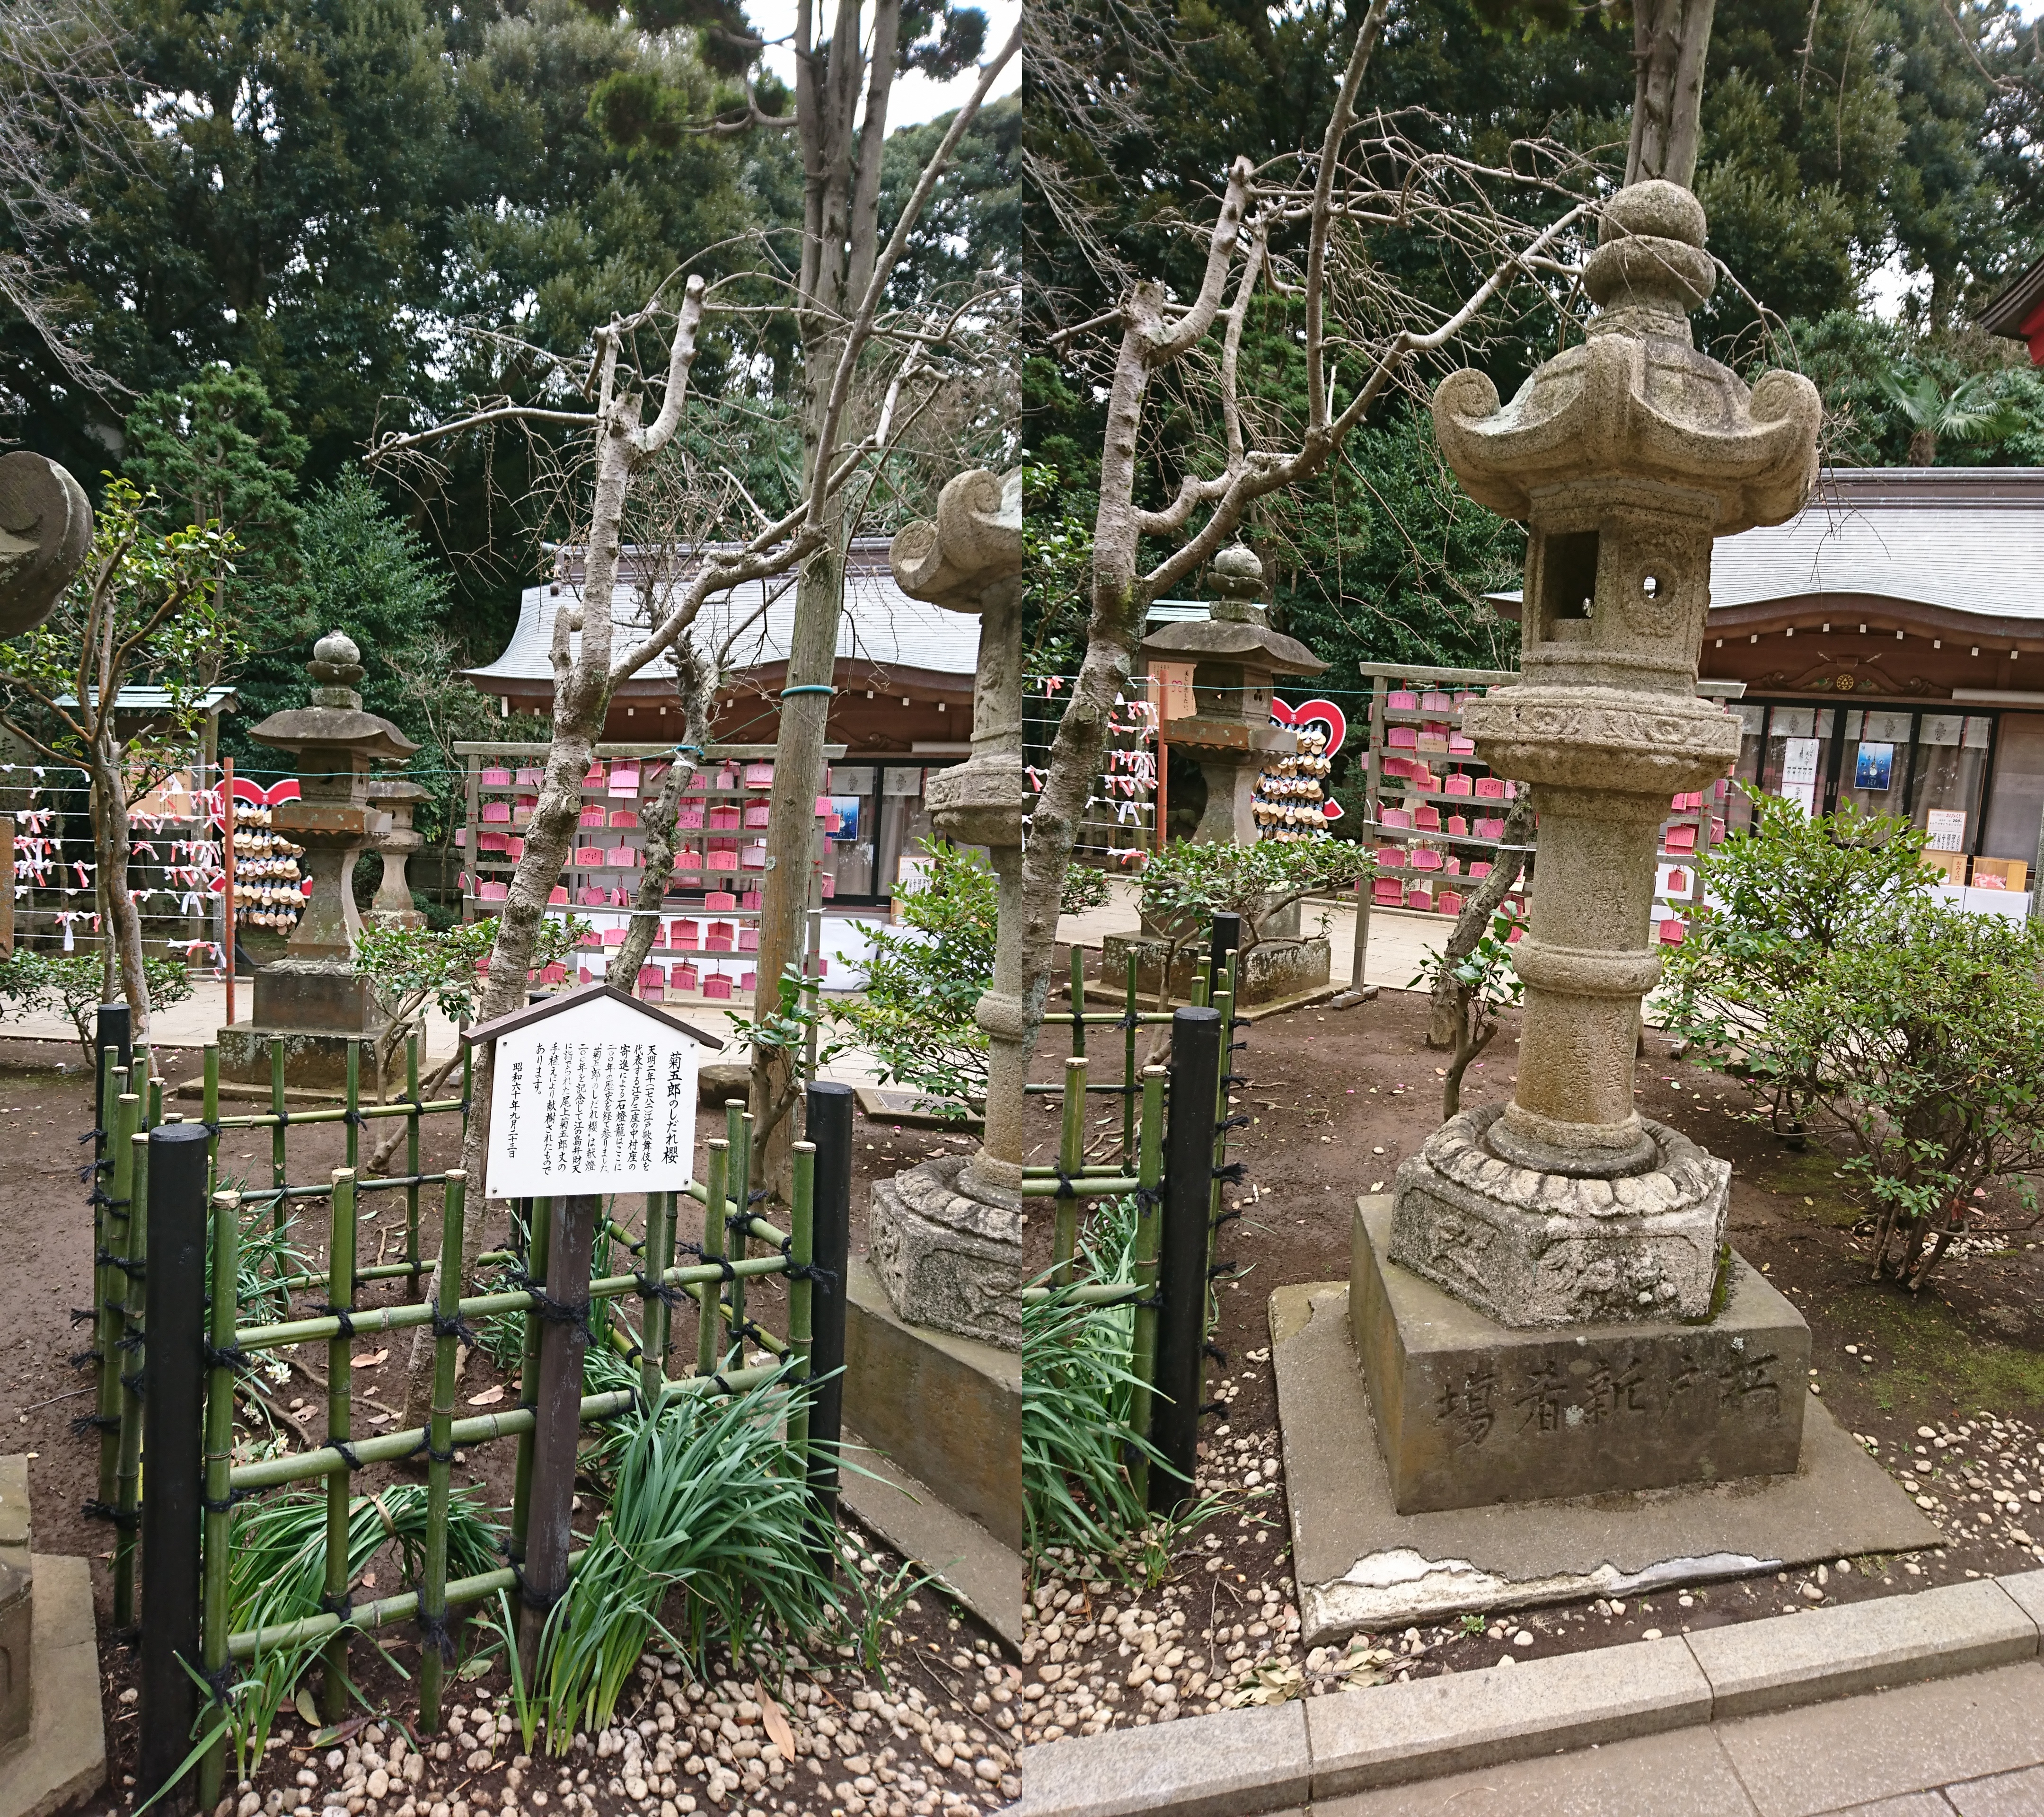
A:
[592,1092]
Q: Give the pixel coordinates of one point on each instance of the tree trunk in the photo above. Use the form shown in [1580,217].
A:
[1671,39]
[696,681]
[121,927]
[798,779]
[1445,1018]
[1923,448]
[582,695]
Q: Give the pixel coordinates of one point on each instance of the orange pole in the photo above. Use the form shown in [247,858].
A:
[1163,784]
[227,848]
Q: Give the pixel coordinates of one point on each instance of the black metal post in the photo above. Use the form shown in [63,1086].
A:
[1227,938]
[114,1027]
[557,1416]
[173,1409]
[828,1107]
[1181,1270]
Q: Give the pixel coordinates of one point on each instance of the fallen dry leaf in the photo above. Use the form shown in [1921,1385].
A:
[371,1359]
[778,1730]
[488,1397]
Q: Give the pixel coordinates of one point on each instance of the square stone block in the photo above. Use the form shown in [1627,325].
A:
[316,995]
[946,1408]
[17,1705]
[1470,1411]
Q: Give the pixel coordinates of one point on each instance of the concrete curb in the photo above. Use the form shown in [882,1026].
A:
[1241,1762]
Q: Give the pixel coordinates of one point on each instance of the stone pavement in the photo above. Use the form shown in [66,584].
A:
[1956,1747]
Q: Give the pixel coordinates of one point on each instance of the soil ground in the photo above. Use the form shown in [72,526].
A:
[1946,1388]
[954,1666]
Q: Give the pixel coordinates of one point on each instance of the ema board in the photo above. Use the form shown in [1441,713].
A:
[591,1091]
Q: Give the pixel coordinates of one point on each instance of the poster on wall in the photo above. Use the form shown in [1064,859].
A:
[1798,772]
[841,823]
[1874,767]
[1946,828]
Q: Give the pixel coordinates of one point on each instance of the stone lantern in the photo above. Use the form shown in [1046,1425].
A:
[1563,1218]
[313,997]
[1236,660]
[397,797]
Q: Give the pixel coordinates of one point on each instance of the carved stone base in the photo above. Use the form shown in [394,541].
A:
[1533,1249]
[1469,1412]
[947,1259]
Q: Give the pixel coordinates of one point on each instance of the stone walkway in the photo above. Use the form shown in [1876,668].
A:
[1957,1747]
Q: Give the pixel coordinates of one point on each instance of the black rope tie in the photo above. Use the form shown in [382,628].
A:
[1067,1189]
[1215,1351]
[284,1117]
[220,1682]
[1240,1121]
[553,1311]
[95,1134]
[455,1326]
[132,1380]
[1227,1217]
[726,1273]
[341,1605]
[80,1314]
[233,1358]
[1234,1079]
[134,1270]
[1234,1173]
[806,1270]
[127,1518]
[434,1632]
[651,1287]
[723,1387]
[233,1499]
[354,1117]
[1207,1407]
[77,1359]
[345,1452]
[1148,1198]
[340,1316]
[84,1423]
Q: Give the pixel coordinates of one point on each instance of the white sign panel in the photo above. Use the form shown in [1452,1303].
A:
[599,1097]
[1798,772]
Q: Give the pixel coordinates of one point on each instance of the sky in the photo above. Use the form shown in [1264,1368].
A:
[916,98]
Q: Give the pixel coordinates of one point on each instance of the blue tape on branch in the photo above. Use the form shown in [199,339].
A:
[813,688]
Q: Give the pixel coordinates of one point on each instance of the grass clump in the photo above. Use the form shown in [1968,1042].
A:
[709,1536]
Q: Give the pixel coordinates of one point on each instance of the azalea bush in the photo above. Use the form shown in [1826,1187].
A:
[1851,999]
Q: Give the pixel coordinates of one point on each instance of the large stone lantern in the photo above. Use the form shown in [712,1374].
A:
[1626,456]
[313,997]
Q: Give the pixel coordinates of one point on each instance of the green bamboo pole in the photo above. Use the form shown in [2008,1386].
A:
[1203,984]
[1071,1155]
[278,1165]
[1078,1001]
[155,1113]
[209,1112]
[711,1299]
[802,1247]
[112,1324]
[1128,1160]
[340,1364]
[738,1132]
[406,1317]
[353,1106]
[467,1075]
[219,1461]
[412,1153]
[128,1469]
[439,1452]
[512,1422]
[113,1082]
[654,1319]
[538,1249]
[264,1119]
[1149,1235]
